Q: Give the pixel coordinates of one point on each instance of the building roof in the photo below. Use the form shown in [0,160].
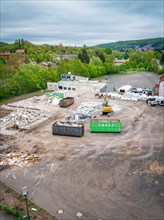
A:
[20,51]
[5,54]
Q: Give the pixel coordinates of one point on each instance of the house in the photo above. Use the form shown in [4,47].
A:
[5,54]
[119,62]
[20,51]
[52,86]
[64,56]
[80,85]
[69,77]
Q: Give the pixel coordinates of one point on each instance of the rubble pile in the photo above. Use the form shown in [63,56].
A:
[20,159]
[67,124]
[134,96]
[84,111]
[129,96]
[21,117]
[41,99]
[87,108]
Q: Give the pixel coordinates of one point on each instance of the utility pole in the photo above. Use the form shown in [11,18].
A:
[25,193]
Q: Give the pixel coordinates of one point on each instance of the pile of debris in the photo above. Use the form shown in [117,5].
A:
[129,96]
[44,99]
[84,112]
[87,108]
[21,117]
[19,159]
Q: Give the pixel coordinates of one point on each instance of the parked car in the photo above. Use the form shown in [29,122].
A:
[147,91]
[136,90]
[151,101]
[160,102]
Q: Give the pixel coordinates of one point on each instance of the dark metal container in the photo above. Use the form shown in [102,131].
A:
[68,129]
[64,103]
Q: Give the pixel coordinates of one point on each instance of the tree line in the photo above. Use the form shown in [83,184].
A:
[20,76]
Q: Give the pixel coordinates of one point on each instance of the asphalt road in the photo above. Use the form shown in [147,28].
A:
[141,79]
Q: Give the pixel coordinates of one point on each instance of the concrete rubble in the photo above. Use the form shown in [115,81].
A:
[41,99]
[84,112]
[21,117]
[58,123]
[129,96]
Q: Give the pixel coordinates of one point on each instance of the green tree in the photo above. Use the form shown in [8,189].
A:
[135,57]
[162,59]
[83,56]
[96,61]
[108,51]
[111,58]
[148,56]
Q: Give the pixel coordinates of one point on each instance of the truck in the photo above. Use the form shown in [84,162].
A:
[68,128]
[64,103]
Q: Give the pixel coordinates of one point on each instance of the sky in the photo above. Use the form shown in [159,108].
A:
[80,22]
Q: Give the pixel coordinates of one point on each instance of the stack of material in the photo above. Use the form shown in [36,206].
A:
[19,159]
[134,96]
[84,112]
[21,117]
[87,108]
[129,96]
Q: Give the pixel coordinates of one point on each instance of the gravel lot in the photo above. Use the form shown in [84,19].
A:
[98,176]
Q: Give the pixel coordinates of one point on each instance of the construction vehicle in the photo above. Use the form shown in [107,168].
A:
[106,108]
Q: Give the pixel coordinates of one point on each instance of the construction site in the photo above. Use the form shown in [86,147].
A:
[89,150]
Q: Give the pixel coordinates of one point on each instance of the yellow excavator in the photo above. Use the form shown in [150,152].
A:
[106,108]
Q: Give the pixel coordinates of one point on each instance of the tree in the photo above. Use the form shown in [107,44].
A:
[83,56]
[108,51]
[111,58]
[162,59]
[148,56]
[135,57]
[96,61]
[77,67]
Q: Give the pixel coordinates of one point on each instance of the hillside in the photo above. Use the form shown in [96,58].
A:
[156,43]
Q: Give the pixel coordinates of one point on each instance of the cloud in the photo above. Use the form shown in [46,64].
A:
[80,22]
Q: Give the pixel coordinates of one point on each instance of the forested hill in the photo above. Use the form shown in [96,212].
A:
[156,43]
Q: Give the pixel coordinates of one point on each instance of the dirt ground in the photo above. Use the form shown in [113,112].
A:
[98,176]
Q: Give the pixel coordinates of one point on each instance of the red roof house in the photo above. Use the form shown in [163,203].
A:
[5,54]
[20,51]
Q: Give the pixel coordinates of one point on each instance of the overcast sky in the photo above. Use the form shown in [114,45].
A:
[80,22]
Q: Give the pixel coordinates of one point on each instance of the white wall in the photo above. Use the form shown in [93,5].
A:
[161,89]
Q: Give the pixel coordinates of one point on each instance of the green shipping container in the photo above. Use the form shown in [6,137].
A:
[105,125]
[59,95]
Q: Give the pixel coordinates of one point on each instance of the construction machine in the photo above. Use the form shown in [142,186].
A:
[106,108]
